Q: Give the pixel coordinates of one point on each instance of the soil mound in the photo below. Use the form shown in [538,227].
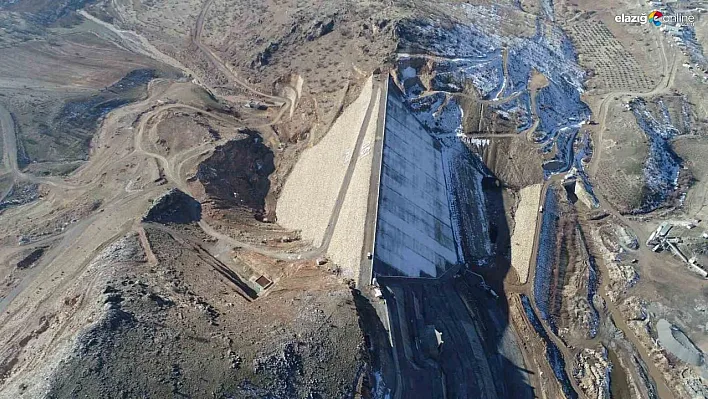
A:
[174,207]
[237,175]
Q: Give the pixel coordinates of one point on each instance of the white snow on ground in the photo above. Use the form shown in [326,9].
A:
[438,112]
[662,166]
[524,228]
[468,206]
[471,53]
[487,76]
[310,193]
[348,237]
[465,54]
[381,391]
[456,42]
[409,72]
[475,142]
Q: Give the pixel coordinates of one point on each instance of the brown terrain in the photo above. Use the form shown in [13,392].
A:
[97,277]
[185,207]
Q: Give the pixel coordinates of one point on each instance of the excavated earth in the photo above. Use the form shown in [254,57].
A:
[145,145]
[236,178]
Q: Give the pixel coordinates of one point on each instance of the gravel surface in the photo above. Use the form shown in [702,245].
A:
[525,226]
[310,193]
[348,236]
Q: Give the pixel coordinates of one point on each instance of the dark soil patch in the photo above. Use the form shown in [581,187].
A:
[174,207]
[237,174]
[29,260]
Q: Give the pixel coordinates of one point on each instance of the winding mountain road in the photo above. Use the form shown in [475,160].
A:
[284,103]
[172,169]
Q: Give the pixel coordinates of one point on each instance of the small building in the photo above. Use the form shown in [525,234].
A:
[264,282]
[652,239]
[664,229]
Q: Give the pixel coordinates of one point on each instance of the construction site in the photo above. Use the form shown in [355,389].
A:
[664,239]
[329,199]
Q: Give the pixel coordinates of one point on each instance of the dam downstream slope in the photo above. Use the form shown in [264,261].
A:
[449,337]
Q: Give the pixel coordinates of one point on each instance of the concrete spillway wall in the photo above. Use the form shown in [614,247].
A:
[546,257]
[414,236]
[676,342]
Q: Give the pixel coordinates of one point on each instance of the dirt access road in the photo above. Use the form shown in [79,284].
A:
[173,165]
[284,103]
[669,72]
[334,217]
[174,173]
[122,153]
[9,156]
[616,316]
[9,142]
[366,265]
[669,67]
[105,176]
[527,288]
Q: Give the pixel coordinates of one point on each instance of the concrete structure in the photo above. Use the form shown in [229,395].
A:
[414,235]
[676,342]
[441,348]
[664,229]
[660,241]
[696,268]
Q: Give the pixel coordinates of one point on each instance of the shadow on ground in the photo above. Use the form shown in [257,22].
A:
[451,335]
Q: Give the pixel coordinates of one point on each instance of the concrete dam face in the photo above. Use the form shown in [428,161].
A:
[414,233]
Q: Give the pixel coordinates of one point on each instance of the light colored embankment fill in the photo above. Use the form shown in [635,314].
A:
[310,193]
[348,236]
[524,230]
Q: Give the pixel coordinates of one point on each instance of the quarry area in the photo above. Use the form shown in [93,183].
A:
[353,199]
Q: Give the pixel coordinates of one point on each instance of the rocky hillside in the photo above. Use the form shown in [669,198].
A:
[178,328]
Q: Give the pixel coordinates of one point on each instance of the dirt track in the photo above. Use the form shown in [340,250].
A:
[72,250]
[173,170]
[9,156]
[172,165]
[9,139]
[285,103]
[668,66]
[122,154]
